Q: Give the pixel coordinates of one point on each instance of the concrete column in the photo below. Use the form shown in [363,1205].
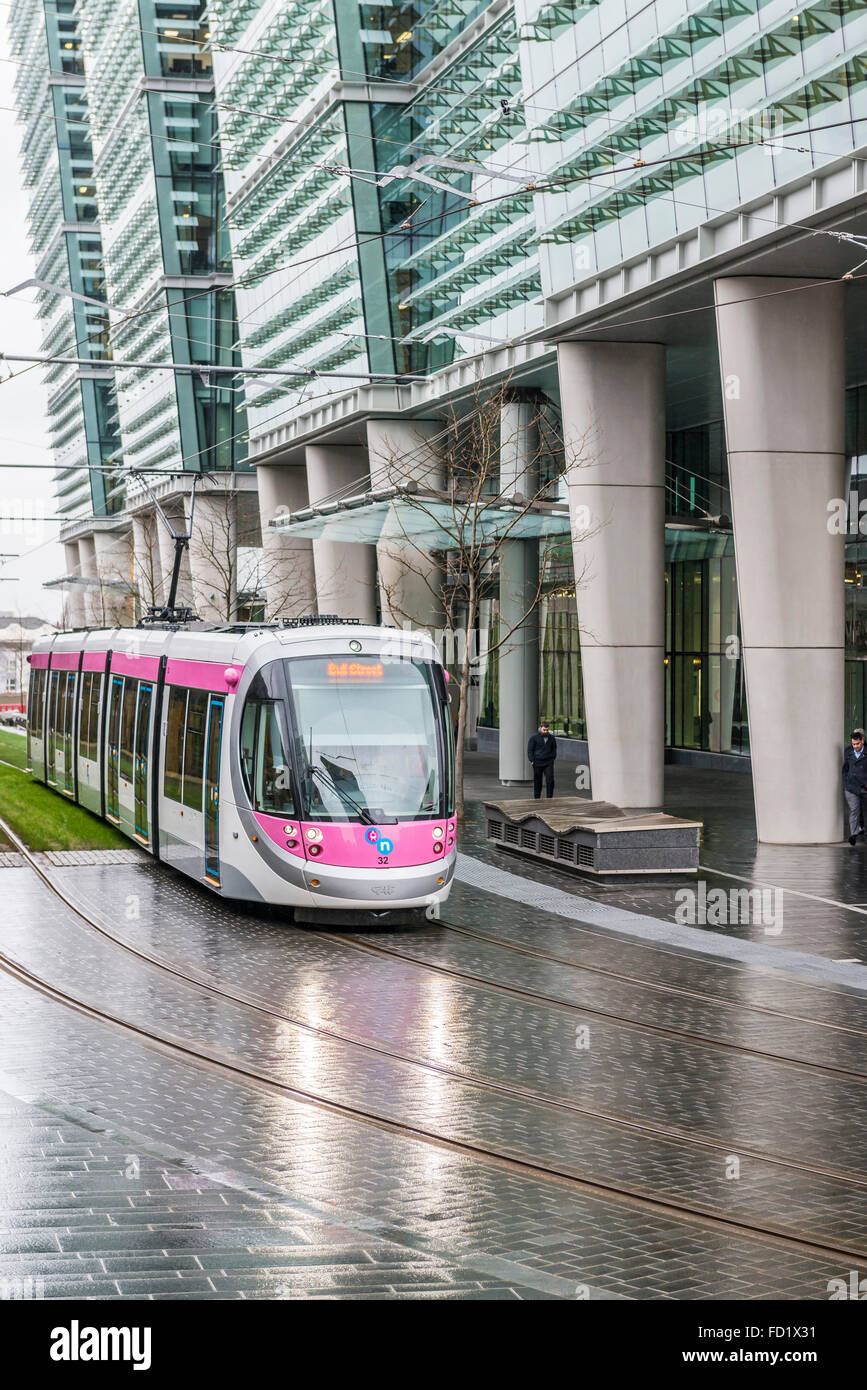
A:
[613,403]
[114,560]
[781,358]
[177,515]
[345,571]
[519,586]
[147,572]
[410,580]
[74,609]
[91,602]
[214,556]
[288,576]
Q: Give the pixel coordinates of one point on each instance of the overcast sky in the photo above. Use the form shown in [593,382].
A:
[24,491]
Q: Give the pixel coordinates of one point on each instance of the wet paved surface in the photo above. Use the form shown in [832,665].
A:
[130,1172]
[824,904]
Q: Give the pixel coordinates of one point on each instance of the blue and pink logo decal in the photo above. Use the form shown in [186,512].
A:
[375,837]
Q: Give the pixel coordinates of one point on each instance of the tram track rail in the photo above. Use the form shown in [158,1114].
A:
[694,1213]
[638,981]
[236,1068]
[480,981]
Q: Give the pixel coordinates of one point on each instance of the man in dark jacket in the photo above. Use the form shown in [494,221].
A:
[855,782]
[542,750]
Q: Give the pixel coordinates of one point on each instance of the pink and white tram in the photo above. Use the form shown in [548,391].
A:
[306,765]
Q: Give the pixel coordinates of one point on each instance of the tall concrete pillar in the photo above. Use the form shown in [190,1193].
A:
[519,589]
[113,551]
[91,599]
[177,515]
[781,359]
[613,404]
[213,556]
[410,580]
[288,576]
[147,571]
[345,571]
[74,608]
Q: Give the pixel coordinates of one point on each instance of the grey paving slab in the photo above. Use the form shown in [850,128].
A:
[323,1173]
[732,1103]
[238,1193]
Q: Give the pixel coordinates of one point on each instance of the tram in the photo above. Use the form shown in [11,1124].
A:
[309,765]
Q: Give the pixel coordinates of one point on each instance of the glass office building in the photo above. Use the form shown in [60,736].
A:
[410,183]
[121,155]
[404,203]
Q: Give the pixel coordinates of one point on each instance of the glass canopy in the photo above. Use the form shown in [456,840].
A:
[428,523]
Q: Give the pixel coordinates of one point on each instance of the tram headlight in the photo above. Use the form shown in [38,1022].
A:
[313,834]
[438,832]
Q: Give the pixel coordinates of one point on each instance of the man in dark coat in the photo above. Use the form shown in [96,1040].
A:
[542,750]
[855,782]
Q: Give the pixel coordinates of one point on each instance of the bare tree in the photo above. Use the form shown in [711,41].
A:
[111,597]
[469,521]
[147,571]
[231,566]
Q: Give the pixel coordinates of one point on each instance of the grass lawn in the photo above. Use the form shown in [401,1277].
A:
[46,820]
[13,748]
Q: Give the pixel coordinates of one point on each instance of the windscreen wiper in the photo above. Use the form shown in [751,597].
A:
[316,771]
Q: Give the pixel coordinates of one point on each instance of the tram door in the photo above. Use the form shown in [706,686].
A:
[212,787]
[68,706]
[112,805]
[51,753]
[140,778]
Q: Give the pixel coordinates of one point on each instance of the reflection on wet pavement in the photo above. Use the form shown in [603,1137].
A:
[615,1061]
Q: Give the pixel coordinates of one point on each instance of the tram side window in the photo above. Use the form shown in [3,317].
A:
[93,717]
[52,703]
[127,727]
[263,760]
[35,702]
[194,749]
[177,716]
[84,747]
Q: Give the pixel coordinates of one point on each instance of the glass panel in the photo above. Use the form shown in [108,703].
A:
[194,749]
[68,731]
[127,727]
[111,796]
[264,762]
[93,732]
[212,789]
[84,716]
[368,738]
[142,744]
[173,777]
[52,724]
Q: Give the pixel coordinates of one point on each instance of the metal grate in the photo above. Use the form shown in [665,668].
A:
[547,844]
[566,850]
[495,830]
[586,855]
[528,839]
[511,834]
